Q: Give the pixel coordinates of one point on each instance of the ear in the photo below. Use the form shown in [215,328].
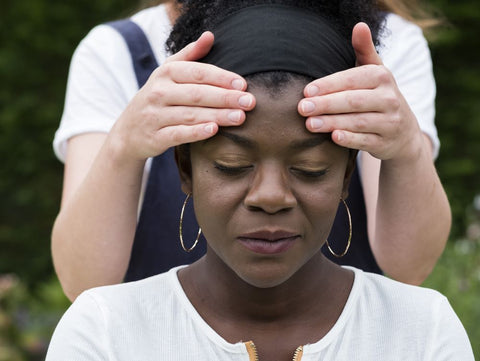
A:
[182,158]
[351,164]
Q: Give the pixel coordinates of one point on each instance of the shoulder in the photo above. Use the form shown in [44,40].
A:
[154,22]
[387,320]
[400,38]
[419,317]
[156,25]
[400,302]
[400,296]
[111,320]
[101,71]
[125,297]
[398,25]
[122,305]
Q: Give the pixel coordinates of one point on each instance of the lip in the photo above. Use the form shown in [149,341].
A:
[268,242]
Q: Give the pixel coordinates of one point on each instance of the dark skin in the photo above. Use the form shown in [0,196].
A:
[268,175]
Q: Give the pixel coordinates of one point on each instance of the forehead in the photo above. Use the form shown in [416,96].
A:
[274,123]
[276,112]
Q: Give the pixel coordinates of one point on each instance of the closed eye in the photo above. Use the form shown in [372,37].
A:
[309,173]
[230,170]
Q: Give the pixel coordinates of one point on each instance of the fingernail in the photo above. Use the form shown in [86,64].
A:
[340,136]
[208,129]
[316,123]
[307,106]
[237,84]
[245,101]
[235,116]
[312,90]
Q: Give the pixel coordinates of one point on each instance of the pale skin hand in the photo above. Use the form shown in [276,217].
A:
[183,101]
[408,212]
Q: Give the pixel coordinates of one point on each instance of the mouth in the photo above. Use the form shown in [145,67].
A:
[266,242]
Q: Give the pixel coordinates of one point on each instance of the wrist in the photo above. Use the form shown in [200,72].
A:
[415,151]
[120,156]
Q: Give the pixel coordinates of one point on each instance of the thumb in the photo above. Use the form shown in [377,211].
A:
[363,46]
[196,50]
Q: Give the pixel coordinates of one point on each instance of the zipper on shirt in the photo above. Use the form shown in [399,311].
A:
[297,356]
[253,354]
[252,351]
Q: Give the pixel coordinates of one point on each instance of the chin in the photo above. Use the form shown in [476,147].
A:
[265,277]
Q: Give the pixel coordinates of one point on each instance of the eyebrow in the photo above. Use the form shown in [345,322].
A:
[301,144]
[237,139]
[310,142]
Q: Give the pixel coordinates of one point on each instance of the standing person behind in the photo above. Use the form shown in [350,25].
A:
[265,194]
[94,231]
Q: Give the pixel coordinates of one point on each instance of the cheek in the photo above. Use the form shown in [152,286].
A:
[320,202]
[215,200]
[327,189]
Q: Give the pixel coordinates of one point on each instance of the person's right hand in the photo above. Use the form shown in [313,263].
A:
[183,101]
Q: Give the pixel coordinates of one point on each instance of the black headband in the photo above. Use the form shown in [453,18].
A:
[272,37]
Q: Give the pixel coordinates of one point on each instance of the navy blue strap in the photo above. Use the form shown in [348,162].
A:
[144,61]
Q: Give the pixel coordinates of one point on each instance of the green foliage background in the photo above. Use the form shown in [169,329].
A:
[37,39]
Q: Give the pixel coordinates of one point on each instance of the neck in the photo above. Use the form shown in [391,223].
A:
[313,289]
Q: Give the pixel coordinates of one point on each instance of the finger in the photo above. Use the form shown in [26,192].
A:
[200,95]
[367,142]
[363,45]
[366,54]
[182,115]
[200,73]
[199,49]
[373,123]
[365,77]
[175,135]
[350,101]
[196,50]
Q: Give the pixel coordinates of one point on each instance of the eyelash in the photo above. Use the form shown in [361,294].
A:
[239,170]
[231,170]
[311,174]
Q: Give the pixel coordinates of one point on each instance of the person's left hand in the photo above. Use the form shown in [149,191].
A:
[363,107]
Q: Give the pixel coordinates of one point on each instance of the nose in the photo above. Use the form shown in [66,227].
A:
[270,190]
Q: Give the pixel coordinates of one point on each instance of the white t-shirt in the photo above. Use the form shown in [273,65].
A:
[153,319]
[102,80]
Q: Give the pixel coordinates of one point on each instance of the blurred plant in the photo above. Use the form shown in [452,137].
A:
[457,276]
[27,319]
[37,40]
[458,111]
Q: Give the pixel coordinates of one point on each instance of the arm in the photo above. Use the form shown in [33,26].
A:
[407,209]
[406,54]
[411,214]
[93,233]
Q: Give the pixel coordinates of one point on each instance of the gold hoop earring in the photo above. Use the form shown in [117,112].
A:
[180,228]
[349,234]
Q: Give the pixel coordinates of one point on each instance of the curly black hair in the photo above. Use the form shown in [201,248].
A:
[198,16]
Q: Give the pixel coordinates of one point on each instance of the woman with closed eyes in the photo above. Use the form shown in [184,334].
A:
[265,195]
[107,139]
